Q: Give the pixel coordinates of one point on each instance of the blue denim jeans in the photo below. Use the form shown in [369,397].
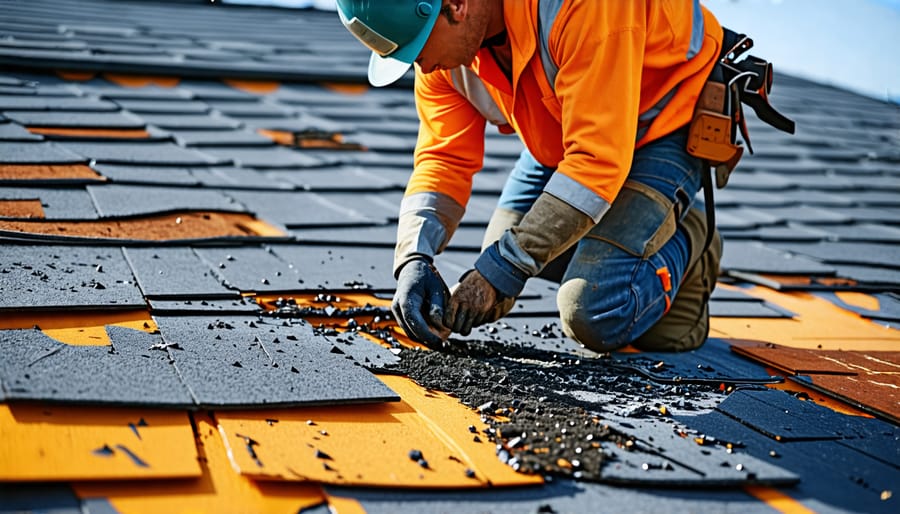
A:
[611,291]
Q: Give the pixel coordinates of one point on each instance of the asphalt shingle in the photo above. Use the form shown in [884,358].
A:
[35,277]
[135,370]
[822,204]
[227,362]
[175,273]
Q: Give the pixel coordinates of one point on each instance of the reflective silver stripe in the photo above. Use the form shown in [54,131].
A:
[697,31]
[576,195]
[470,86]
[547,11]
[427,220]
[646,119]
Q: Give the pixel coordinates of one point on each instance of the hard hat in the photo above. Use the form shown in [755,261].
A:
[395,31]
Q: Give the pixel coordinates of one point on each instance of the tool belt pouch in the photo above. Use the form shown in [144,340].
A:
[711,135]
[719,115]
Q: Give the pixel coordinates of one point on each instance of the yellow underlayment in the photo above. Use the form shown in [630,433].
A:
[219,490]
[256,87]
[777,500]
[79,328]
[856,299]
[369,445]
[818,325]
[49,443]
[341,505]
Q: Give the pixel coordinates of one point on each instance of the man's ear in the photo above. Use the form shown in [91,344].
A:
[458,9]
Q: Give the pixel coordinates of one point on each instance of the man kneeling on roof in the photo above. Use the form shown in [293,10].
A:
[601,93]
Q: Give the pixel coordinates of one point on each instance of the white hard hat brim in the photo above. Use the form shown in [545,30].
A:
[386,70]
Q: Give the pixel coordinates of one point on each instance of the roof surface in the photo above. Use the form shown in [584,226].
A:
[198,207]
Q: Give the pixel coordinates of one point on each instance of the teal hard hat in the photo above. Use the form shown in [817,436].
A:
[395,31]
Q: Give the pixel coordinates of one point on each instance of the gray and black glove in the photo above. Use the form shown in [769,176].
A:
[420,301]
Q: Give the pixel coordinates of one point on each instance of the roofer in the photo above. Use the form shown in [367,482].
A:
[602,95]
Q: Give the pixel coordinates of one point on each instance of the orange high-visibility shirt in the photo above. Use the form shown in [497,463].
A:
[617,60]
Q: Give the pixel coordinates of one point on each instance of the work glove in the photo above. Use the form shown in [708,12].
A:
[419,302]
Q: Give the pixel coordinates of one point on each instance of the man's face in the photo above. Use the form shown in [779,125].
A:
[456,37]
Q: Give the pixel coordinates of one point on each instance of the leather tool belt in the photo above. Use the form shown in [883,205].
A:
[718,116]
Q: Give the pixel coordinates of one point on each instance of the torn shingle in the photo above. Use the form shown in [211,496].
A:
[161,106]
[122,200]
[53,103]
[129,372]
[228,363]
[238,305]
[147,174]
[740,218]
[189,121]
[887,306]
[118,120]
[557,496]
[340,268]
[853,253]
[265,157]
[56,203]
[793,233]
[139,153]
[755,257]
[839,478]
[219,138]
[712,363]
[352,178]
[303,209]
[745,309]
[775,414]
[233,177]
[245,108]
[37,153]
[66,276]
[175,273]
[16,132]
[352,344]
[148,93]
[806,214]
[863,232]
[675,460]
[249,269]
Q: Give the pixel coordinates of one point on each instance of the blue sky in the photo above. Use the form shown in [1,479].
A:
[850,44]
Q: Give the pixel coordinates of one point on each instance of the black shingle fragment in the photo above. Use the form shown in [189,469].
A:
[307,374]
[36,367]
[37,153]
[175,273]
[66,276]
[121,152]
[125,200]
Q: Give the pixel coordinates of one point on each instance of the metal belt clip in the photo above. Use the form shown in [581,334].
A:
[719,114]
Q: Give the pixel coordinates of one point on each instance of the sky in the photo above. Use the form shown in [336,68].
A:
[851,44]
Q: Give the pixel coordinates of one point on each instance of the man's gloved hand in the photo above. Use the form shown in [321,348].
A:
[471,304]
[420,301]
